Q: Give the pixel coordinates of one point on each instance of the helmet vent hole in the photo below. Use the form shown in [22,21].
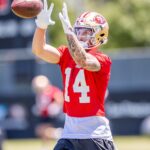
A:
[102,34]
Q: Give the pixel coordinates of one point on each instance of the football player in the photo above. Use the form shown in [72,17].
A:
[47,109]
[85,72]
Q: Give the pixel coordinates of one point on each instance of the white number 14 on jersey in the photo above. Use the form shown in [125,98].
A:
[79,86]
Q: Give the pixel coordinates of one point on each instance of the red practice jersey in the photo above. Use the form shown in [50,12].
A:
[45,99]
[84,90]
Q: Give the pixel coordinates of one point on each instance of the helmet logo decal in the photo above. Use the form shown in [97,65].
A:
[99,19]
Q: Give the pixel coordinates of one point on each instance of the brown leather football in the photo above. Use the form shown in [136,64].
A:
[26,8]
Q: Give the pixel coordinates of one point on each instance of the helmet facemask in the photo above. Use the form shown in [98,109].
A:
[85,35]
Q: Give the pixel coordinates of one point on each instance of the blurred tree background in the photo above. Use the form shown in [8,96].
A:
[55,33]
[129,21]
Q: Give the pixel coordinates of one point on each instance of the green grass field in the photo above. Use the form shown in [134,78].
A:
[122,142]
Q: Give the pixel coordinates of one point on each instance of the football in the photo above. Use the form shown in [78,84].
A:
[26,8]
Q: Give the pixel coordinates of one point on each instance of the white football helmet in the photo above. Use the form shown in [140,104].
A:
[91,29]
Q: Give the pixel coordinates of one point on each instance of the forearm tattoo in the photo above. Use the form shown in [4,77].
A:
[76,50]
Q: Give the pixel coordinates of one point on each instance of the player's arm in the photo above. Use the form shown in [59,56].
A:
[39,46]
[78,53]
[42,50]
[80,56]
[58,96]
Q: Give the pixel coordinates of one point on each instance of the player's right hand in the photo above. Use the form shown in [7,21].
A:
[44,17]
[64,18]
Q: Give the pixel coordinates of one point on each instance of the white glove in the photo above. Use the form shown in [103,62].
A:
[65,20]
[44,17]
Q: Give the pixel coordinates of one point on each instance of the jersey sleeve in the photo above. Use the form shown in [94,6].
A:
[61,50]
[105,62]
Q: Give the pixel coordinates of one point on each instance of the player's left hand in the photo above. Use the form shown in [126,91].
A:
[44,17]
[65,20]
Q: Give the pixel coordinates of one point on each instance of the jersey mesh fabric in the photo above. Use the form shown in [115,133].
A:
[87,128]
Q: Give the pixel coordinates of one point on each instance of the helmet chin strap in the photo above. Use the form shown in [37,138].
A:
[89,44]
[84,44]
[86,47]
